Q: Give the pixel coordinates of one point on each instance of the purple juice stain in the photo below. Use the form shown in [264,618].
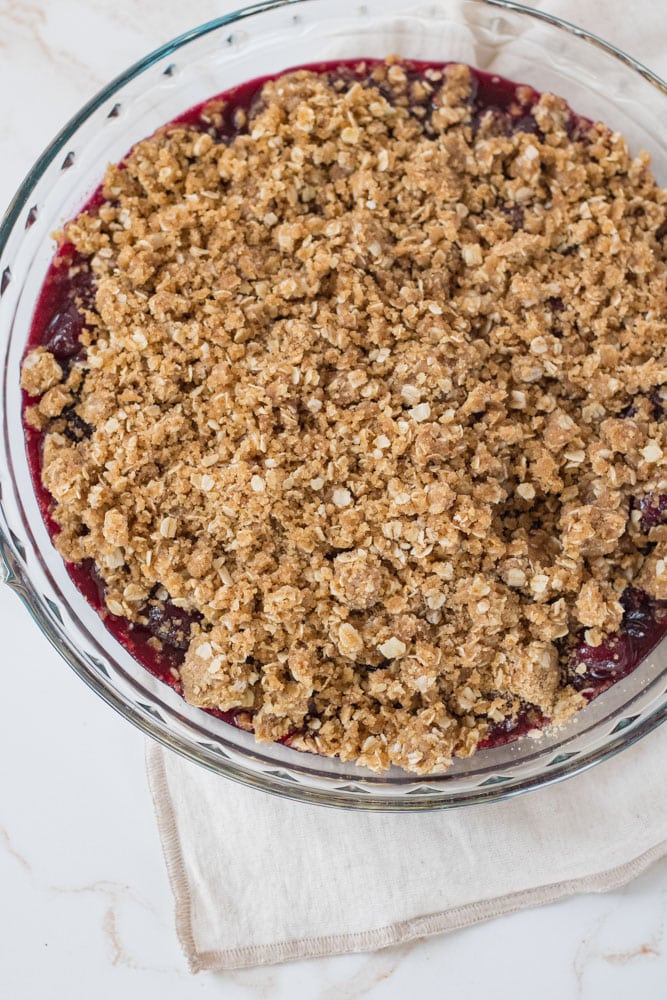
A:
[68,291]
[170,624]
[592,669]
[515,216]
[653,508]
[76,429]
[528,718]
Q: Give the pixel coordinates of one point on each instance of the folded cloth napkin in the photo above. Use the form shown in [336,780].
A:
[259,880]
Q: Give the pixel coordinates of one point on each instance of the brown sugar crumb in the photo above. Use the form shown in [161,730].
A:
[40,373]
[357,389]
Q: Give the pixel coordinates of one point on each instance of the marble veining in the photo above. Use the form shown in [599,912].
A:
[7,845]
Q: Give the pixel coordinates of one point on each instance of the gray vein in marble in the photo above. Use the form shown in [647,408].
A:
[378,967]
[116,894]
[29,21]
[118,954]
[261,983]
[26,19]
[6,842]
[644,951]
[590,950]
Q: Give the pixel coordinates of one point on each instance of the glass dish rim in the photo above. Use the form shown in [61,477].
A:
[20,582]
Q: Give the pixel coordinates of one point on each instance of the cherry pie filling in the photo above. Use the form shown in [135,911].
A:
[159,635]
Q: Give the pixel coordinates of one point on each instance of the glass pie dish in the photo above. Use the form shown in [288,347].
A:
[494,36]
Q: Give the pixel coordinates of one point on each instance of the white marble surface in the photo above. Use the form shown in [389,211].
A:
[85,908]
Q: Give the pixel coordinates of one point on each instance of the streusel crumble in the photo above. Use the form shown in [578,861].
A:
[356,401]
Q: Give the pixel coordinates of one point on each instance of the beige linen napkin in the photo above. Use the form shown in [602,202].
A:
[259,880]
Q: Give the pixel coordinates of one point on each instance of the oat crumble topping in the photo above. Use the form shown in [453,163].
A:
[359,394]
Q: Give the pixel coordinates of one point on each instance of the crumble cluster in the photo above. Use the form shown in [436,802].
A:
[372,388]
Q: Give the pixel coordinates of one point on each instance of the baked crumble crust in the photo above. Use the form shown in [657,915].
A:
[358,391]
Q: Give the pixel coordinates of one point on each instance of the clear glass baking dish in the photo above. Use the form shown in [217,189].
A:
[497,36]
